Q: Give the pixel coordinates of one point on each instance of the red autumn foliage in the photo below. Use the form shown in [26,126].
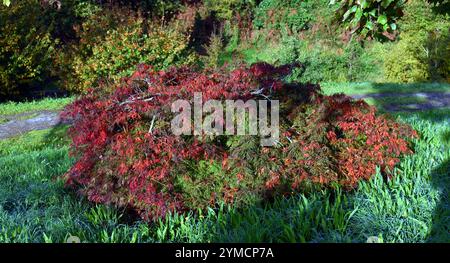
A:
[334,139]
[120,161]
[127,155]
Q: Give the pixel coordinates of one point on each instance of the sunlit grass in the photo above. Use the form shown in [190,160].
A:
[49,104]
[395,88]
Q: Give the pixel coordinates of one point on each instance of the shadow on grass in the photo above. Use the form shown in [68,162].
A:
[440,178]
[440,231]
[57,135]
[388,87]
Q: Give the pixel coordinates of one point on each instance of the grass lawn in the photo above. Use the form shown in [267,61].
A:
[11,108]
[371,88]
[28,110]
[412,207]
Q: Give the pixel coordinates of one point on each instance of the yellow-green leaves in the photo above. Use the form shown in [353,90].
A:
[382,19]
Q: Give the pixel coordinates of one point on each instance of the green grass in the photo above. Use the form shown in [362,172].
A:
[371,88]
[11,108]
[412,207]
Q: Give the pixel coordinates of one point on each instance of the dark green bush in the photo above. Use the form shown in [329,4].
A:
[26,46]
[42,41]
[225,9]
[348,62]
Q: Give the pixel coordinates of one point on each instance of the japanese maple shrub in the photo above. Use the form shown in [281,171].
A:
[128,156]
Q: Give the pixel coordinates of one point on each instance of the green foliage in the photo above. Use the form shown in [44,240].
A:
[322,62]
[32,33]
[325,56]
[85,9]
[420,16]
[293,15]
[225,9]
[406,61]
[418,58]
[371,18]
[322,65]
[422,53]
[208,183]
[111,45]
[212,59]
[154,8]
[373,88]
[12,108]
[43,41]
[26,46]
[438,48]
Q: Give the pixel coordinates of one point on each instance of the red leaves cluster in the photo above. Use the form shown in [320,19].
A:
[127,155]
[367,140]
[382,143]
[341,141]
[120,161]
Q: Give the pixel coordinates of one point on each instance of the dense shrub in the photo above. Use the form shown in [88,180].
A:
[111,136]
[154,8]
[226,9]
[128,156]
[420,16]
[26,46]
[422,53]
[438,47]
[406,61]
[323,64]
[32,36]
[111,44]
[327,141]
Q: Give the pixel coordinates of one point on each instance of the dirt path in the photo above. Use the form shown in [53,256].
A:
[416,101]
[26,122]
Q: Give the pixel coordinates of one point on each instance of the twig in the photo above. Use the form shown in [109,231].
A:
[260,93]
[289,139]
[151,125]
[135,100]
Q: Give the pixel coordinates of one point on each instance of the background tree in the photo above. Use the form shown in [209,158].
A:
[371,18]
